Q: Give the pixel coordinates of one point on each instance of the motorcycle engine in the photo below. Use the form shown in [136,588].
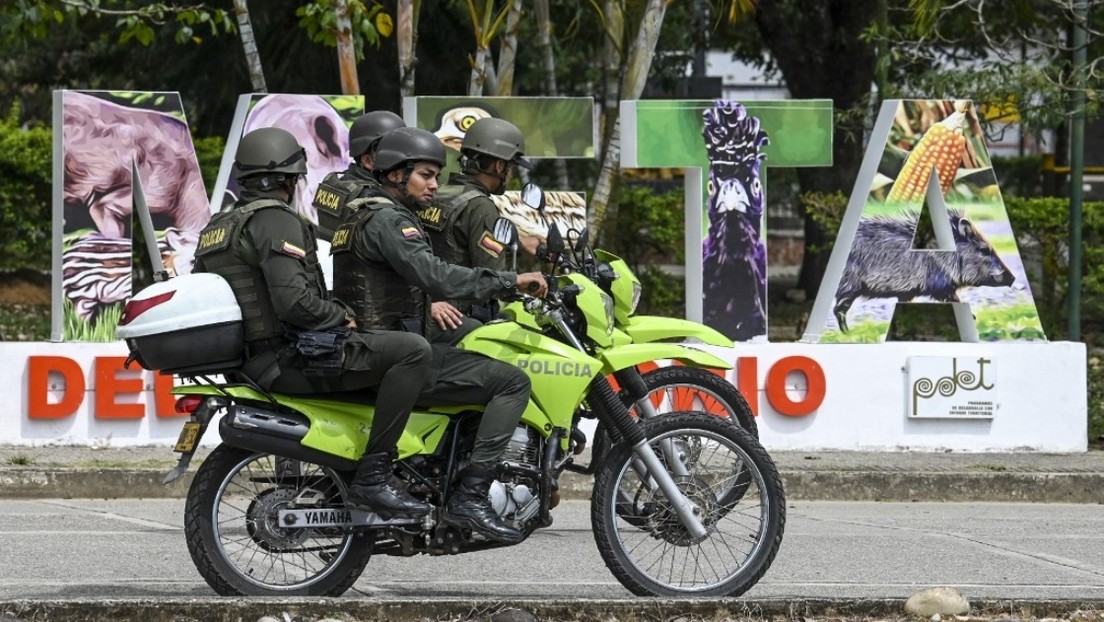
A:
[515,499]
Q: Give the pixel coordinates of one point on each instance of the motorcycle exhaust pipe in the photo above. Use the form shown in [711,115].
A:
[281,434]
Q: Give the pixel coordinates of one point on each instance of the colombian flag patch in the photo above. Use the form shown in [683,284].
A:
[491,245]
[290,249]
[410,232]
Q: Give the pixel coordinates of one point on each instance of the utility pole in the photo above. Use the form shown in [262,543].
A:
[1077,166]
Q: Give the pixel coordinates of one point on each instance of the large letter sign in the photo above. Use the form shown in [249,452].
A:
[933,150]
[726,260]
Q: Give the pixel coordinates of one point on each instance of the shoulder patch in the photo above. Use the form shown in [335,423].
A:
[292,250]
[410,232]
[493,247]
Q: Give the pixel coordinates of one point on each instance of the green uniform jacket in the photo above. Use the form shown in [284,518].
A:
[469,226]
[275,241]
[393,237]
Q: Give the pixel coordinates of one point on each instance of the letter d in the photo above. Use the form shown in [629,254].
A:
[38,387]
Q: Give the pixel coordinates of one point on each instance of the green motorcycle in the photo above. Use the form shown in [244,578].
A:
[654,390]
[683,505]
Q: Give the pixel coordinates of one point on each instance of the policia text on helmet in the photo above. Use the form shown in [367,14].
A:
[269,160]
[407,164]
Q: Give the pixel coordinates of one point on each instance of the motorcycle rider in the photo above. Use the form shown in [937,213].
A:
[462,217]
[267,253]
[340,187]
[385,268]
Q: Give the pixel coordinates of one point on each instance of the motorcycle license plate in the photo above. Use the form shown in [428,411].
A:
[189,437]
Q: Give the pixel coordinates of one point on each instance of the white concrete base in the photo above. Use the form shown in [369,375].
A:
[1036,396]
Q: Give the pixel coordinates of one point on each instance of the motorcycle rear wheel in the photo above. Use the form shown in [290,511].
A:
[235,541]
[643,542]
[682,388]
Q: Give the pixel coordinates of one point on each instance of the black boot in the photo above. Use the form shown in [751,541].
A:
[470,505]
[371,490]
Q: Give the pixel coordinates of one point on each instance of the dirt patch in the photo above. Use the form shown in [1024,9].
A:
[24,288]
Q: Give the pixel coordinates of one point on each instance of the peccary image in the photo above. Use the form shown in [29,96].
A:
[734,259]
[883,264]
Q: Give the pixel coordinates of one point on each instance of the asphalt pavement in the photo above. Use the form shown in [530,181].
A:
[88,559]
[91,534]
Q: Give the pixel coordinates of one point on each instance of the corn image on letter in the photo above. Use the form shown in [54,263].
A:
[942,147]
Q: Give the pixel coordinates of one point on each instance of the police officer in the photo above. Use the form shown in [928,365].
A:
[266,251]
[340,187]
[462,217]
[385,268]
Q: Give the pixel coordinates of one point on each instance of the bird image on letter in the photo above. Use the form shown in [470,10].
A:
[454,123]
[734,262]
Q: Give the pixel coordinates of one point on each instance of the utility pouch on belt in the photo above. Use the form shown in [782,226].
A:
[322,351]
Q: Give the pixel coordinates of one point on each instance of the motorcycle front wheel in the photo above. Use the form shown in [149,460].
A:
[644,543]
[237,543]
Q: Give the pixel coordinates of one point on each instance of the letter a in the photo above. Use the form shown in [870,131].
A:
[976,266]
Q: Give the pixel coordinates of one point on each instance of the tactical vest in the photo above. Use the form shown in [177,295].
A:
[379,296]
[335,192]
[220,246]
[438,219]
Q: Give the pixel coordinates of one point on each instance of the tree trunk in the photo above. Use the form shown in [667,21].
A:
[406,39]
[507,55]
[346,56]
[548,81]
[636,76]
[478,74]
[249,43]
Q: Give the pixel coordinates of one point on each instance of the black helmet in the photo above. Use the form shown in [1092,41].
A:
[408,144]
[497,138]
[269,150]
[370,127]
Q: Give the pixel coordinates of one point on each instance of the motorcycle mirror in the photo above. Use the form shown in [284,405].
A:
[555,240]
[582,241]
[506,232]
[533,196]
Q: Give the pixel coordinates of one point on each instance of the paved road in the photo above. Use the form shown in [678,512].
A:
[96,549]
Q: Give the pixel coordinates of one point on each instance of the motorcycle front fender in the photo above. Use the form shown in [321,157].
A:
[623,357]
[651,328]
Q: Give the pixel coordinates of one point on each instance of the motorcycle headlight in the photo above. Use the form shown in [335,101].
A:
[607,303]
[636,291]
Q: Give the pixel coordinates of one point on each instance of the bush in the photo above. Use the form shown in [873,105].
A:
[25,157]
[647,231]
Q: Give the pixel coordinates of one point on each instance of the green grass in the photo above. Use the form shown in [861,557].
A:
[20,460]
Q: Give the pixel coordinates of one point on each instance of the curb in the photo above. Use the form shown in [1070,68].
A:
[941,486]
[638,609]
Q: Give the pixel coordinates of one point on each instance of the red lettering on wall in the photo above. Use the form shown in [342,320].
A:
[38,386]
[111,380]
[109,385]
[814,380]
[166,401]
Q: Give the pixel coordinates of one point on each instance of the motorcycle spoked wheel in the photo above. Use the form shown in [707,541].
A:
[685,388]
[682,388]
[644,543]
[237,545]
